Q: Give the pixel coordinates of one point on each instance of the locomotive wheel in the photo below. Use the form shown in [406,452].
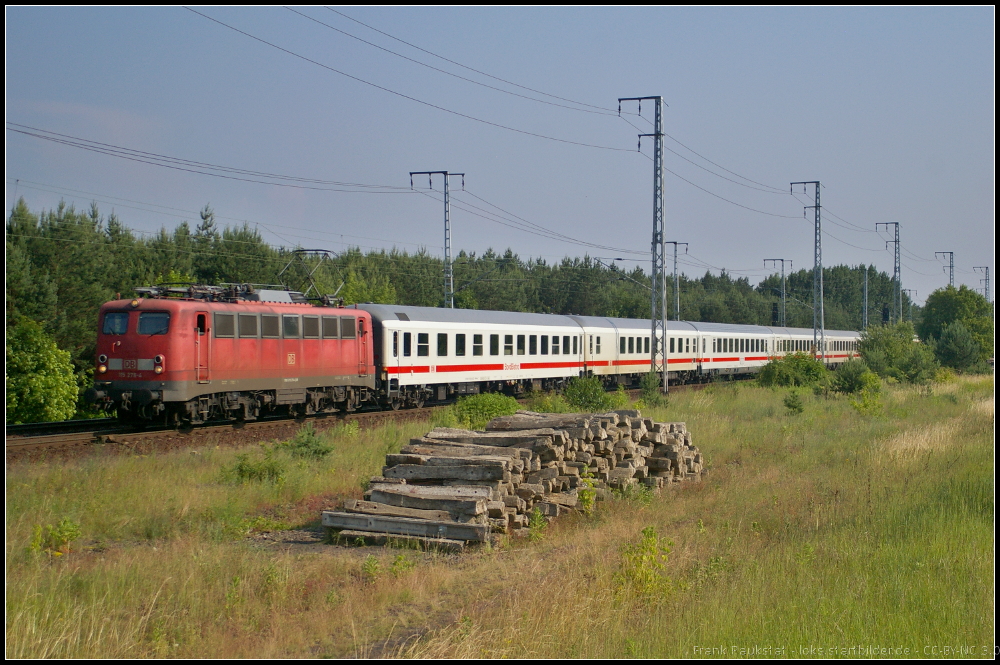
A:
[395,404]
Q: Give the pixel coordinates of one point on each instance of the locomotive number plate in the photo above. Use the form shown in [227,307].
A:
[128,364]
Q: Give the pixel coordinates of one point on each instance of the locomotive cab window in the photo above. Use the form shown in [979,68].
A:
[270,326]
[289,326]
[331,327]
[225,325]
[248,325]
[348,327]
[202,325]
[310,327]
[115,323]
[154,323]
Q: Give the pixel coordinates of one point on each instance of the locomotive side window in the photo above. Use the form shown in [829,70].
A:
[201,325]
[545,345]
[270,326]
[248,325]
[494,345]
[407,344]
[423,344]
[520,345]
[348,327]
[310,326]
[533,345]
[460,344]
[225,325]
[442,344]
[115,323]
[331,327]
[153,323]
[289,326]
[477,345]
[508,345]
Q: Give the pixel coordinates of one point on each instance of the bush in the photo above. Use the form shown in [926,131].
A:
[795,369]
[548,403]
[644,567]
[586,393]
[793,403]
[41,386]
[849,377]
[651,385]
[957,348]
[309,444]
[474,411]
[868,399]
[893,353]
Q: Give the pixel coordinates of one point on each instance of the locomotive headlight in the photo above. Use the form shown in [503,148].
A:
[135,303]
[102,369]
[158,360]
[158,369]
[102,358]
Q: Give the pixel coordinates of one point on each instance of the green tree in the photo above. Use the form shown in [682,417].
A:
[893,352]
[957,348]
[41,386]
[948,305]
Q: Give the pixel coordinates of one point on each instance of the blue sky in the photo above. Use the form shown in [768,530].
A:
[892,109]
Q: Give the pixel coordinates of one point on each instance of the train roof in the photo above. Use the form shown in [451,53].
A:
[383,313]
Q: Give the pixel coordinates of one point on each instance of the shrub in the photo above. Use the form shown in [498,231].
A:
[587,394]
[849,377]
[41,386]
[55,540]
[793,403]
[795,369]
[548,403]
[474,411]
[643,567]
[309,444]
[957,348]
[259,469]
[867,400]
[651,385]
[892,353]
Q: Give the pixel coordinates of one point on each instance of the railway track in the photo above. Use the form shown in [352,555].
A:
[77,436]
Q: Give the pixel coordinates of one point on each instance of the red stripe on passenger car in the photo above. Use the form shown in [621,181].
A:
[468,368]
[550,365]
[408,370]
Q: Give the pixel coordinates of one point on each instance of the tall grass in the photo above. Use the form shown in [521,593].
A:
[824,529]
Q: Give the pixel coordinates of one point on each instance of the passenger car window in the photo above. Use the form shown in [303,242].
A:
[508,345]
[520,345]
[423,344]
[494,345]
[460,344]
[477,345]
[115,323]
[442,344]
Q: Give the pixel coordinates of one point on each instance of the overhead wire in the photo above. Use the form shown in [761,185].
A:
[405,96]
[481,73]
[608,112]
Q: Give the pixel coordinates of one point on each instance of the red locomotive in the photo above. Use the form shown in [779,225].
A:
[188,355]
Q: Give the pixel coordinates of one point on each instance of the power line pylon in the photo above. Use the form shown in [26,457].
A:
[449,277]
[819,324]
[985,269]
[677,284]
[951,266]
[896,276]
[658,299]
[784,320]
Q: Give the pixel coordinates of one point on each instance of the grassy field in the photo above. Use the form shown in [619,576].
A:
[824,533]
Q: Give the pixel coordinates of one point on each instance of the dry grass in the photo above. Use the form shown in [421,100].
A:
[826,528]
